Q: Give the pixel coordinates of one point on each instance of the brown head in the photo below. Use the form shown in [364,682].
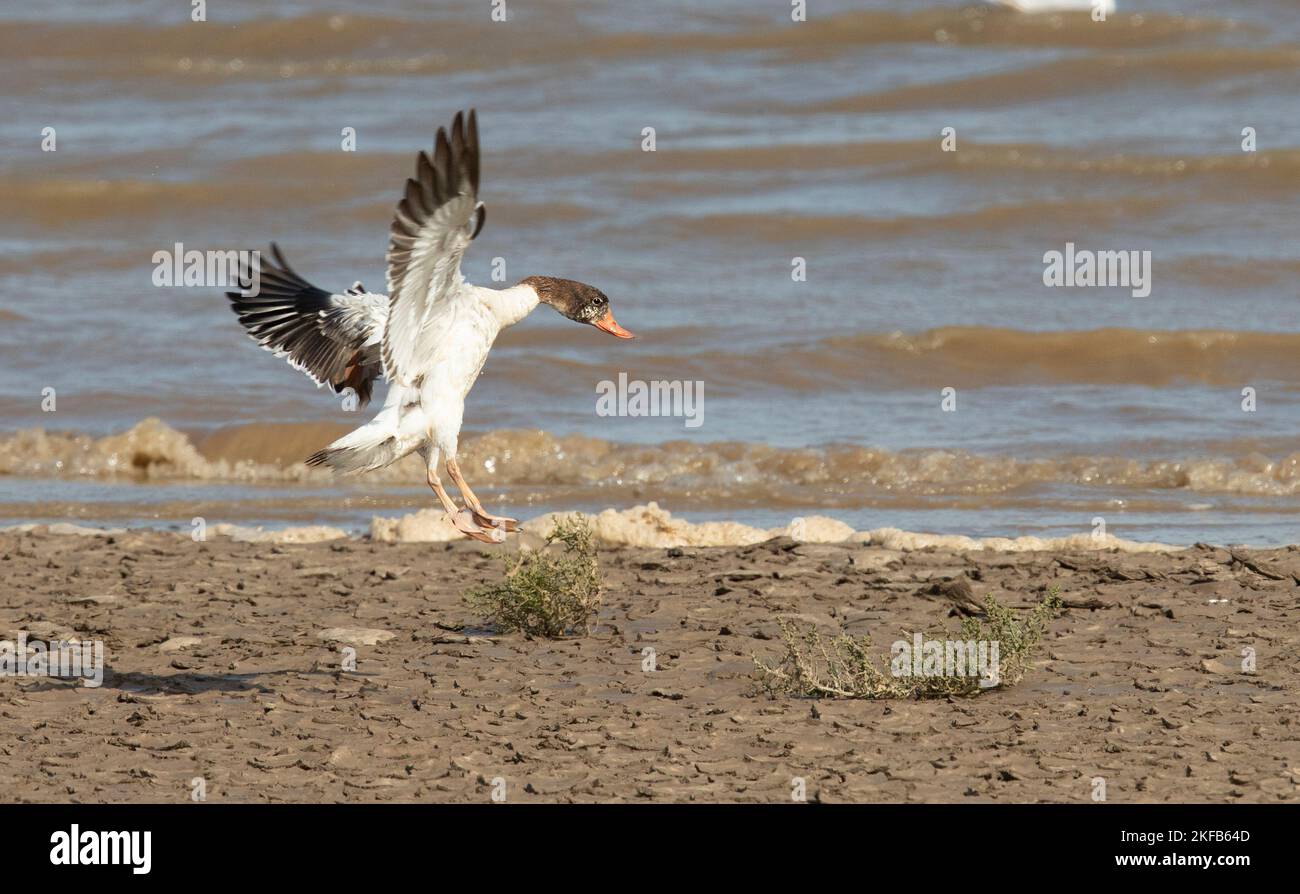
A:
[577,301]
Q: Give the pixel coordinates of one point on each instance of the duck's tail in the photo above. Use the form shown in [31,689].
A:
[370,447]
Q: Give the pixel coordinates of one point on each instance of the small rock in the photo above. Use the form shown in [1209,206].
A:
[356,636]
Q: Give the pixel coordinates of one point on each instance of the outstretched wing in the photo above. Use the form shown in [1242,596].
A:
[434,223]
[334,339]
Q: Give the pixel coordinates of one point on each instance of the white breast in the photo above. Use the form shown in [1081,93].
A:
[460,355]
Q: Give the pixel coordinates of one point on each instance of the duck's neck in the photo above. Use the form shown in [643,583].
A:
[512,304]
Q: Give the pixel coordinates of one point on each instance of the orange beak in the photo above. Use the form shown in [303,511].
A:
[610,325]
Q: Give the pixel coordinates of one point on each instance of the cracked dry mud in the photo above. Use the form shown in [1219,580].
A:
[224,663]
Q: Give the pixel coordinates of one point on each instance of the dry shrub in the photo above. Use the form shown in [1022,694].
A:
[844,666]
[546,593]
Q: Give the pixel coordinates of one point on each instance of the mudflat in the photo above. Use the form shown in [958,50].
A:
[224,663]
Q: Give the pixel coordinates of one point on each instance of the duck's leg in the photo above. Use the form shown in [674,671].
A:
[481,515]
[462,519]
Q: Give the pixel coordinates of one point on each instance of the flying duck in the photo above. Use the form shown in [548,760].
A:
[428,337]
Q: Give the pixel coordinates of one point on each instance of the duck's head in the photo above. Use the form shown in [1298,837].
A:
[578,301]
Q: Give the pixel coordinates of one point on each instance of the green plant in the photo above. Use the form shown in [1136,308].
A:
[844,667]
[1017,633]
[545,592]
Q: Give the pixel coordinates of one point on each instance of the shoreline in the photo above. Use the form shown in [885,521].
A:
[154,475]
[643,526]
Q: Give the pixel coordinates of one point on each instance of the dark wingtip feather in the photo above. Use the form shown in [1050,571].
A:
[472,138]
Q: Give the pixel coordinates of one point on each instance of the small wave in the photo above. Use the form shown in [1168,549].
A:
[732,471]
[315,45]
[61,203]
[976,356]
[1032,217]
[980,355]
[302,37]
[359,187]
[1183,68]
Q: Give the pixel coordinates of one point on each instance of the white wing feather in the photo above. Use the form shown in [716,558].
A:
[434,223]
